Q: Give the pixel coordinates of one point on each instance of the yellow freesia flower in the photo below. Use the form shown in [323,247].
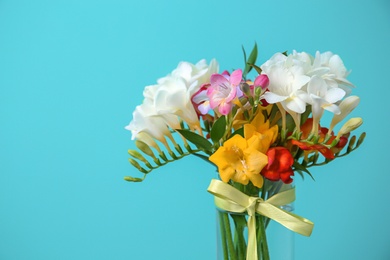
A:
[239,119]
[240,161]
[260,128]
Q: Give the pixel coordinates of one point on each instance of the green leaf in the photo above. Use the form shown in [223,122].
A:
[251,61]
[203,157]
[290,124]
[301,174]
[218,129]
[244,53]
[299,167]
[197,140]
[239,132]
[257,68]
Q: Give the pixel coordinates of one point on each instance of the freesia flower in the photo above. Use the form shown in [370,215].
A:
[240,161]
[321,97]
[309,147]
[195,75]
[146,127]
[143,121]
[346,106]
[287,77]
[223,90]
[200,100]
[285,86]
[331,68]
[279,165]
[260,128]
[169,101]
[173,98]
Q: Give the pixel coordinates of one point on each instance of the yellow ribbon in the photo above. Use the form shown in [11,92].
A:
[230,199]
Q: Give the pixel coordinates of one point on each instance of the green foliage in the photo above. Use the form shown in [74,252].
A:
[239,131]
[297,167]
[199,141]
[250,61]
[218,129]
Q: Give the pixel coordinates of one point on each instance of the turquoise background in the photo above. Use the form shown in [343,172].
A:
[72,72]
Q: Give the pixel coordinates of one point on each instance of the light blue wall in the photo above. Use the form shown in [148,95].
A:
[71,73]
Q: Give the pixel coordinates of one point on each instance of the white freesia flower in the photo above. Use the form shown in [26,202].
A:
[173,98]
[150,93]
[322,97]
[170,100]
[173,92]
[287,77]
[194,75]
[144,120]
[299,79]
[331,68]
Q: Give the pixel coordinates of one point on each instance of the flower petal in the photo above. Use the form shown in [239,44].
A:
[295,104]
[236,77]
[218,80]
[334,94]
[273,98]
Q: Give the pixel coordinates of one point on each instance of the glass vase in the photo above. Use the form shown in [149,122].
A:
[273,241]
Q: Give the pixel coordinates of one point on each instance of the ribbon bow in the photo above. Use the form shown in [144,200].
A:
[230,199]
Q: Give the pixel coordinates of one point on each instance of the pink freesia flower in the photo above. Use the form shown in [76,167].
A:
[200,100]
[223,90]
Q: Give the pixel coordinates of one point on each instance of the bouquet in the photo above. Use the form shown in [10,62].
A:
[258,133]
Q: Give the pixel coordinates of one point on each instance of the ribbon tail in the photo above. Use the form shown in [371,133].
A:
[288,219]
[251,252]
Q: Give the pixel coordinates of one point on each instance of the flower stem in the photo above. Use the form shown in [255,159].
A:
[240,224]
[263,238]
[223,236]
[228,235]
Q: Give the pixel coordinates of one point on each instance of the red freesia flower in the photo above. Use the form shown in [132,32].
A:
[279,165]
[322,131]
[325,151]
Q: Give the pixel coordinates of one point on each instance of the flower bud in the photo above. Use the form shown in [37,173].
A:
[144,148]
[136,165]
[262,81]
[246,89]
[349,126]
[139,156]
[346,106]
[133,179]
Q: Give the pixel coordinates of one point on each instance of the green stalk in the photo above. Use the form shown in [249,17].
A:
[239,239]
[263,237]
[229,239]
[223,236]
